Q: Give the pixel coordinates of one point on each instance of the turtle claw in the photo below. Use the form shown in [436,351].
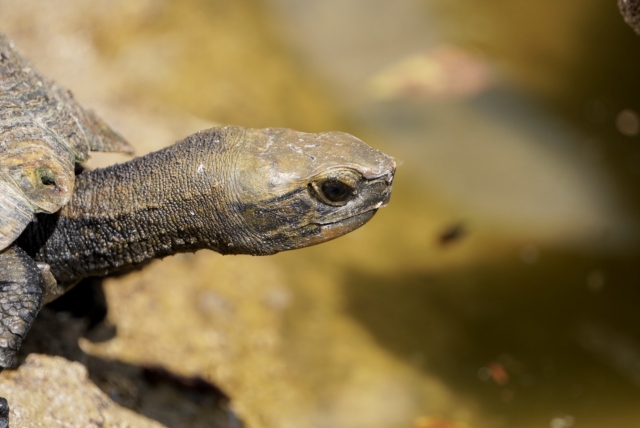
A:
[4,413]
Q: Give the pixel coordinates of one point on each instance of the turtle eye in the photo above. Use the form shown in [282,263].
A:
[335,191]
[336,187]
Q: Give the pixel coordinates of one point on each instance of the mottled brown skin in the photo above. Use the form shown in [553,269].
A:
[229,189]
[630,10]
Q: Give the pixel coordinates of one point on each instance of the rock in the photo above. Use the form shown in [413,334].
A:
[54,392]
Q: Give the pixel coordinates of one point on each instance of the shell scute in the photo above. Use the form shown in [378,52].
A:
[43,132]
[41,169]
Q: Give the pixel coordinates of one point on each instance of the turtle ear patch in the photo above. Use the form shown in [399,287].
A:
[47,177]
[33,178]
[43,174]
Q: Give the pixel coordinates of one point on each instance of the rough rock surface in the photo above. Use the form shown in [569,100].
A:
[54,392]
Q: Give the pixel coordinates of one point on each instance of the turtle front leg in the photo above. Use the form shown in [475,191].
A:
[22,289]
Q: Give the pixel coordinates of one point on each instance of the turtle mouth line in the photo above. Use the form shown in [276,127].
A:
[367,214]
[334,229]
[344,225]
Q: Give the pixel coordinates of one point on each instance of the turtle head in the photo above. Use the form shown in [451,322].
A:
[296,189]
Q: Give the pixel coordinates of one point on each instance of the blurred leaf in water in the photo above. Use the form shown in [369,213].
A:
[537,43]
[576,56]
[439,73]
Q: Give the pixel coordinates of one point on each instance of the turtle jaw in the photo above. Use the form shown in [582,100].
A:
[317,233]
[329,231]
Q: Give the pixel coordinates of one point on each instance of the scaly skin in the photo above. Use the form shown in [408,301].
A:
[21,296]
[123,216]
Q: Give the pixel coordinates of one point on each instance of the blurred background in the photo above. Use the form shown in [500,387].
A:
[501,286]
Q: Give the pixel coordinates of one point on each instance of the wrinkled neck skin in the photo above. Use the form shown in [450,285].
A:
[174,200]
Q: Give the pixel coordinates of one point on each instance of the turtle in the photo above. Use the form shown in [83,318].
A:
[229,189]
[630,10]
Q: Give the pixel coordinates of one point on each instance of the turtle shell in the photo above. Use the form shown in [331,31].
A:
[630,10]
[44,131]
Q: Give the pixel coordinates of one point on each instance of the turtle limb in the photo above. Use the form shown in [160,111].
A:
[22,290]
[4,413]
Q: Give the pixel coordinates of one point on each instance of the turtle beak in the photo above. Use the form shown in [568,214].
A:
[388,179]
